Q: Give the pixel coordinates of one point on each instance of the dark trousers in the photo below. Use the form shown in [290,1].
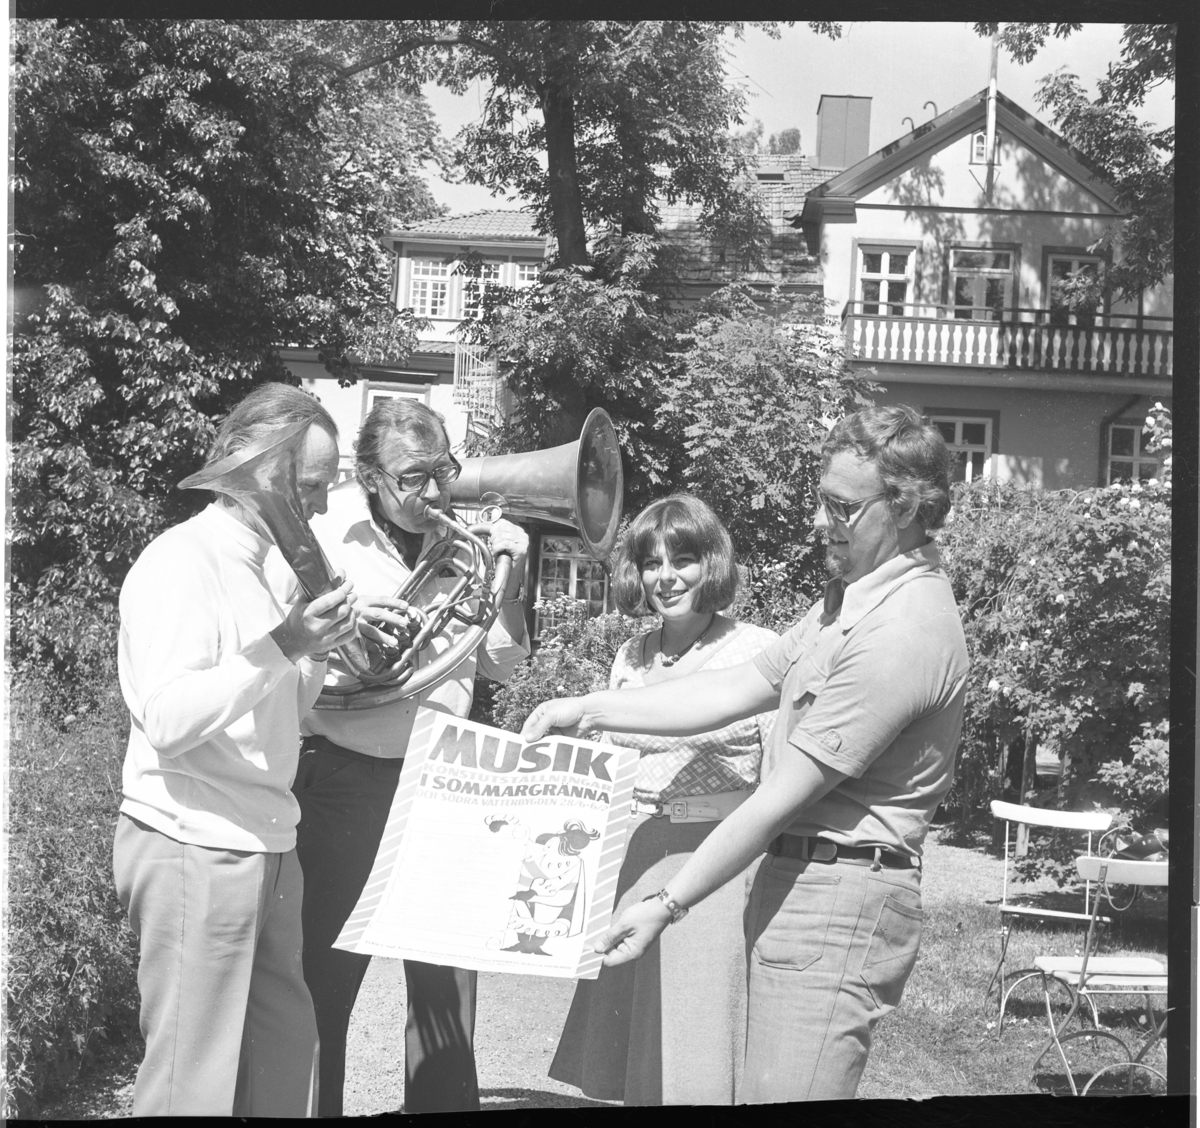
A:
[344,802]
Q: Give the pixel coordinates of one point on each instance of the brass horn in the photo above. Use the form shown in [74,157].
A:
[579,484]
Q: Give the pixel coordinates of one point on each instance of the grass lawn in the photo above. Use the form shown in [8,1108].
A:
[942,1039]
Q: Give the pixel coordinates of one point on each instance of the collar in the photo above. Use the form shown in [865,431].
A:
[851,602]
[350,512]
[248,539]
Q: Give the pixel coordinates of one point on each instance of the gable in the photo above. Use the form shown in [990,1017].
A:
[1024,181]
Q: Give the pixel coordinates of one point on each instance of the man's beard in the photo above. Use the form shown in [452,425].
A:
[836,565]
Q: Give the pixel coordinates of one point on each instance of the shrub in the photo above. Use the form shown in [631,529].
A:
[1065,598]
[71,959]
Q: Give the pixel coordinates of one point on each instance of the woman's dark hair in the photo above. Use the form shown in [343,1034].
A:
[267,409]
[391,419]
[908,451]
[683,524]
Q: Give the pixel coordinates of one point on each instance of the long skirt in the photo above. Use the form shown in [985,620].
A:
[669,1028]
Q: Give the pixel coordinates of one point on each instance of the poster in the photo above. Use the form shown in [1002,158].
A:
[497,855]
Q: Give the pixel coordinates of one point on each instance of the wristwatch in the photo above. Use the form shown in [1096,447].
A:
[518,598]
[677,914]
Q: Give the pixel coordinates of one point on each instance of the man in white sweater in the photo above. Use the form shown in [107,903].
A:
[217,674]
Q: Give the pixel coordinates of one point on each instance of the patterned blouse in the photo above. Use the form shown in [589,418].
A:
[725,759]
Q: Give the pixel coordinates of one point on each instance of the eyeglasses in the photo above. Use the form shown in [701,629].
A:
[415,481]
[840,510]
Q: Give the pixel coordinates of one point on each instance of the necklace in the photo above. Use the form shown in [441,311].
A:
[671,659]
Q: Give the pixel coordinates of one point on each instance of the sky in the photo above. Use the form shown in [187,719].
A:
[900,66]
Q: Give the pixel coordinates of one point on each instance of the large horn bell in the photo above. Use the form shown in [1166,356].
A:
[580,484]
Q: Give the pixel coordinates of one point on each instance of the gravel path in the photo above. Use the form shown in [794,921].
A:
[517,1025]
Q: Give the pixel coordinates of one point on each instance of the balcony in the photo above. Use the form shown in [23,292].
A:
[1030,339]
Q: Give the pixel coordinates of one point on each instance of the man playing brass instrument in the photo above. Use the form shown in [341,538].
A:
[216,674]
[376,532]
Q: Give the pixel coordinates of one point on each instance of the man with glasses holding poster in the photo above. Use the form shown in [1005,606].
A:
[376,532]
[869,687]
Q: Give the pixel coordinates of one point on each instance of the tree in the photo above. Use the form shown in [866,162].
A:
[755,390]
[628,114]
[186,200]
[785,142]
[1138,160]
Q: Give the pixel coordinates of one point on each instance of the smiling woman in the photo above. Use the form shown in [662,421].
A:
[673,1033]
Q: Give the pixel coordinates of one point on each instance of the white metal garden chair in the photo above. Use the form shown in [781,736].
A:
[1011,907]
[1090,976]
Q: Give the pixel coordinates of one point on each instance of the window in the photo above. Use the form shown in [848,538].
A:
[1127,457]
[565,569]
[979,147]
[430,289]
[474,286]
[981,282]
[884,277]
[970,442]
[1067,274]
[527,273]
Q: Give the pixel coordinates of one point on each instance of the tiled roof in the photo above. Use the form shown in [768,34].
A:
[476,225]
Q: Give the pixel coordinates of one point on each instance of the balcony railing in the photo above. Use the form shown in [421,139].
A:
[1039,339]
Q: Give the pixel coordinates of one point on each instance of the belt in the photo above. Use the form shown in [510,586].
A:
[318,743]
[822,850]
[693,808]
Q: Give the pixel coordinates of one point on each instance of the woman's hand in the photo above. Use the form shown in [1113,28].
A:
[563,715]
[317,627]
[633,932]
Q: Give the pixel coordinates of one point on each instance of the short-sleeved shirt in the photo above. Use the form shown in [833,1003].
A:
[872,683]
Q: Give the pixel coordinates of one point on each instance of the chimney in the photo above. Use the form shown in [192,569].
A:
[843,130]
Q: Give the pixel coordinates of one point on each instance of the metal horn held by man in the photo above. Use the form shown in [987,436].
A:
[579,484]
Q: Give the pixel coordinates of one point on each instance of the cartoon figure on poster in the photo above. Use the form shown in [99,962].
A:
[551,896]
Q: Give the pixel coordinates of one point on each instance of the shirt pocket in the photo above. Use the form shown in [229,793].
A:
[795,907]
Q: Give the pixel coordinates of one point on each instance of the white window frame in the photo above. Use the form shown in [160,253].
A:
[1141,465]
[978,155]
[575,558]
[981,279]
[1076,260]
[888,303]
[429,278]
[475,285]
[526,273]
[959,446]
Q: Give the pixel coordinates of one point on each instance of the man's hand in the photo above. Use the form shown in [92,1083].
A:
[398,625]
[633,932]
[563,715]
[317,627]
[504,536]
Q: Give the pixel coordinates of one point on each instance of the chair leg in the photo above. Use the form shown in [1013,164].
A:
[998,974]
[1055,1031]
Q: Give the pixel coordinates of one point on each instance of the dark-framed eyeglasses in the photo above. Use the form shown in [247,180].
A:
[839,510]
[415,481]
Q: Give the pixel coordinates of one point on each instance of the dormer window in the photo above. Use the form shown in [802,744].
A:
[770,176]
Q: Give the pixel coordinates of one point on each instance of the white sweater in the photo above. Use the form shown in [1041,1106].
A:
[214,704]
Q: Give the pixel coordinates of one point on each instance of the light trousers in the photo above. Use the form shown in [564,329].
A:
[227,1019]
[830,947]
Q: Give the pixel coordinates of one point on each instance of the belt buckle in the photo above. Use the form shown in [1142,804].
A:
[821,850]
[654,810]
[678,809]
